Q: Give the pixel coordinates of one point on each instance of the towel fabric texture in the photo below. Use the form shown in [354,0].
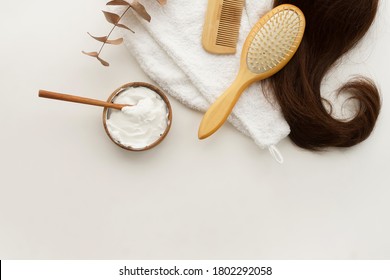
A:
[169,50]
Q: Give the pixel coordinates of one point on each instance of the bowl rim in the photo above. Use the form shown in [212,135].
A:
[155,89]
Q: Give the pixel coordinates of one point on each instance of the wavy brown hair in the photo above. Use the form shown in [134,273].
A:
[333,27]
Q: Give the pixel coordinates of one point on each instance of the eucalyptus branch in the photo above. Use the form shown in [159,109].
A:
[115,19]
[112,29]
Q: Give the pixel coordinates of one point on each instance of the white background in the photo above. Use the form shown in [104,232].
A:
[67,192]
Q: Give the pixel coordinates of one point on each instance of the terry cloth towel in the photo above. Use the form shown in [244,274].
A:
[169,50]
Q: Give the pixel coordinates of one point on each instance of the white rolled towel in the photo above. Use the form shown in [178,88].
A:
[170,51]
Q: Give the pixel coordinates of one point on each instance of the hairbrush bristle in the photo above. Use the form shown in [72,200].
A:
[229,23]
[274,40]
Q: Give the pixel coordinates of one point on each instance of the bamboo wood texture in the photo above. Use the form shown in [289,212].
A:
[222,25]
[79,99]
[219,111]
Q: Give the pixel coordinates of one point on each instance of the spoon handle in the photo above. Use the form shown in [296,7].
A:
[79,99]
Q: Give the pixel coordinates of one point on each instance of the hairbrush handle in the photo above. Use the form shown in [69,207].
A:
[220,110]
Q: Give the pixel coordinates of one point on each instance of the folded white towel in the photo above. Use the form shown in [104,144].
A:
[170,51]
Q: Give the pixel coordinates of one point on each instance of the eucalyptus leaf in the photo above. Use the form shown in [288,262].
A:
[118,3]
[140,10]
[111,17]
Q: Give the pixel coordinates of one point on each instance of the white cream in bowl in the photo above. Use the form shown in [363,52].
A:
[141,125]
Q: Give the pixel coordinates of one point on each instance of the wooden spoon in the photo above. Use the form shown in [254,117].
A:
[79,99]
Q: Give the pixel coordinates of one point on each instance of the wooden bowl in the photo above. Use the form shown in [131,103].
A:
[119,91]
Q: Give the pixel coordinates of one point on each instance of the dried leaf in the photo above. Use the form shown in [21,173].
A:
[100,39]
[111,17]
[124,26]
[118,3]
[140,10]
[115,41]
[103,62]
[105,40]
[162,2]
[93,54]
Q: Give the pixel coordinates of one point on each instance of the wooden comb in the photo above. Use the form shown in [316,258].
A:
[222,25]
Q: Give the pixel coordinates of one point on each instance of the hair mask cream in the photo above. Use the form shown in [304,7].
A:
[141,124]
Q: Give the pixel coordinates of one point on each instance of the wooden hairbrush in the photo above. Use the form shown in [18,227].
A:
[270,45]
[222,26]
